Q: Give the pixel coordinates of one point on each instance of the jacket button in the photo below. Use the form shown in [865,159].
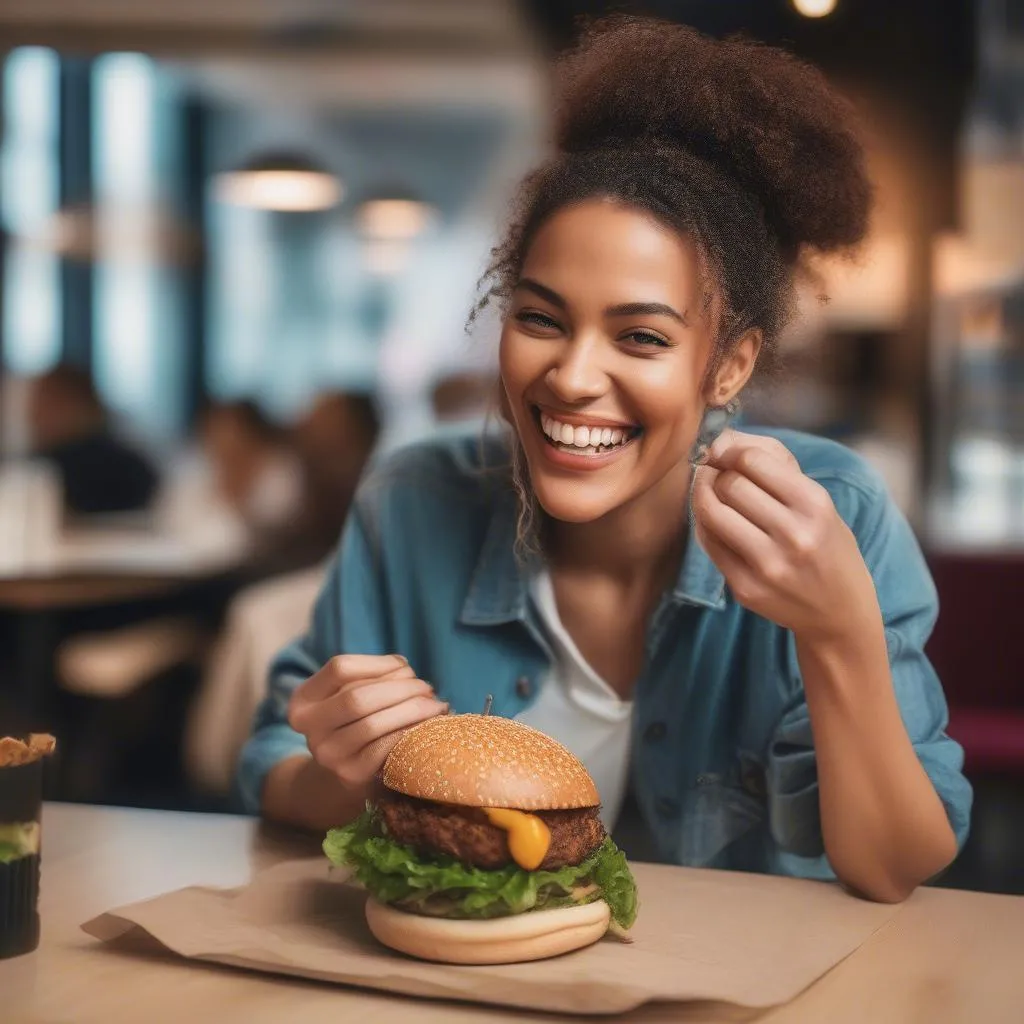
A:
[655,731]
[667,807]
[523,687]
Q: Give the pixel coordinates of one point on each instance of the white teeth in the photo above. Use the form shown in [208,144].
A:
[587,438]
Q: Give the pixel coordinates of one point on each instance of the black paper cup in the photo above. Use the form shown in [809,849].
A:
[21,799]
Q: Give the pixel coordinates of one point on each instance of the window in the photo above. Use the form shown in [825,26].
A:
[289,309]
[241,300]
[30,197]
[138,305]
[292,309]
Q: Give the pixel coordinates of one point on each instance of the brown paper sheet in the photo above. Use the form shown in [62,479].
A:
[721,937]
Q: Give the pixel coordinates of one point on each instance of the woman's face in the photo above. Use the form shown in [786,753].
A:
[603,358]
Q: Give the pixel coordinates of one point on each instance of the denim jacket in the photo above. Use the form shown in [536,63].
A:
[723,765]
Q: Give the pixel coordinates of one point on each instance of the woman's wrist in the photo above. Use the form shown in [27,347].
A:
[854,632]
[299,791]
[852,660]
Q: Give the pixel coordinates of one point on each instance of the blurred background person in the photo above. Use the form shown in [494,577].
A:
[100,472]
[334,441]
[461,396]
[253,466]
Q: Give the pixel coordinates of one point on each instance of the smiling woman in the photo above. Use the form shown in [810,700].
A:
[735,652]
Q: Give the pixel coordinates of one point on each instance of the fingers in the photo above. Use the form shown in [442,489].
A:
[764,460]
[360,768]
[737,572]
[735,441]
[767,463]
[728,562]
[355,708]
[391,719]
[743,495]
[723,522]
[349,668]
[356,753]
[355,702]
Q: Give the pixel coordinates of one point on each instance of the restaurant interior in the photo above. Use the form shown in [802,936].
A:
[239,245]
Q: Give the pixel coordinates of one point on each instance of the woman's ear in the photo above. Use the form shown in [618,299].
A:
[735,369]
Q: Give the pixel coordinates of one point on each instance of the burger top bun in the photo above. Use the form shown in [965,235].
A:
[500,940]
[487,761]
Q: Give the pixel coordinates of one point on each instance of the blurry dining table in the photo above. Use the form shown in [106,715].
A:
[50,559]
[947,957]
[102,574]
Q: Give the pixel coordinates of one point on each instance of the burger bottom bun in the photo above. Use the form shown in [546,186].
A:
[502,940]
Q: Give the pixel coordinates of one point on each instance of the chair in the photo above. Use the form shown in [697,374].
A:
[260,621]
[977,651]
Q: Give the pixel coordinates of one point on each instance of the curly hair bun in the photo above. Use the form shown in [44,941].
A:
[756,113]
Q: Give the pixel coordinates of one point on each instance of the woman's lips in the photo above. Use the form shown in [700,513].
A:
[579,445]
[576,419]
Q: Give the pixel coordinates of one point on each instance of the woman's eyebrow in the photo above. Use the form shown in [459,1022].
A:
[646,309]
[622,309]
[542,291]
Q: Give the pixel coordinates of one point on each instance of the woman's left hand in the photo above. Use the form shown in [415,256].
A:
[778,540]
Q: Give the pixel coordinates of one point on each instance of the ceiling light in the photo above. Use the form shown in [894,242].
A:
[279,181]
[393,220]
[814,8]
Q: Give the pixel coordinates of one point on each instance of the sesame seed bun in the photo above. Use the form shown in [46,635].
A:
[501,940]
[487,761]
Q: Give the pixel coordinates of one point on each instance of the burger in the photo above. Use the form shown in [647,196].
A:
[483,845]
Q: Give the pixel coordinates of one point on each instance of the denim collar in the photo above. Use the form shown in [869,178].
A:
[499,587]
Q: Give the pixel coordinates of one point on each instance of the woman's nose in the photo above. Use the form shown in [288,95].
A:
[577,374]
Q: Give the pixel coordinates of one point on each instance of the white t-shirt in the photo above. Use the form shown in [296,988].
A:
[579,709]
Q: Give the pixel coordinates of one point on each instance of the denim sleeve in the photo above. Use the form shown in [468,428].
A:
[909,606]
[348,617]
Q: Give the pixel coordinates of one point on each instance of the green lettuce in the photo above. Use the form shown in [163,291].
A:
[441,885]
[18,840]
[9,852]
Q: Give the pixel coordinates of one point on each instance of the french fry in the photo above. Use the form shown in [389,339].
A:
[15,752]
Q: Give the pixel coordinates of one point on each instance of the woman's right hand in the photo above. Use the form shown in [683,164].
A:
[354,709]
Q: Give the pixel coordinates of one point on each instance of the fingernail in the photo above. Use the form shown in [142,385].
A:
[402,658]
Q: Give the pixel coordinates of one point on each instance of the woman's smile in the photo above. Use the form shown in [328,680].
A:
[584,443]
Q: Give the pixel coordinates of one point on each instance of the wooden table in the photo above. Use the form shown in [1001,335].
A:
[947,957]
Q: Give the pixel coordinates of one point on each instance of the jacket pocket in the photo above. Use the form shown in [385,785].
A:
[717,810]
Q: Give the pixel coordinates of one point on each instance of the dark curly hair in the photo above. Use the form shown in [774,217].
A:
[737,145]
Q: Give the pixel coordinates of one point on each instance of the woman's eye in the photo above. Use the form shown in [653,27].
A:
[645,338]
[529,316]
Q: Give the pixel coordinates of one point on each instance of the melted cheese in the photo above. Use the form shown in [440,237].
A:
[528,836]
